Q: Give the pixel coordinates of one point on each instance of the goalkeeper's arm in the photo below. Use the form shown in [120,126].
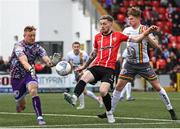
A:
[52,61]
[47,61]
[24,61]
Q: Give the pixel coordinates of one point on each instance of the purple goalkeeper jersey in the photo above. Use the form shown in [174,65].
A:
[31,51]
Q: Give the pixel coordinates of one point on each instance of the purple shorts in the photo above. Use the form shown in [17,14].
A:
[19,86]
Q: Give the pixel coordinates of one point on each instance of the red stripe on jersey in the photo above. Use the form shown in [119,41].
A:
[107,47]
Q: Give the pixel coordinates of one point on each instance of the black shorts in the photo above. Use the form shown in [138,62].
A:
[102,73]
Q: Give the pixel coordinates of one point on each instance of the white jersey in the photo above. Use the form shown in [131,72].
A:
[76,60]
[136,52]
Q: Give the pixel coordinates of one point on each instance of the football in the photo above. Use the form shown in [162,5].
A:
[63,68]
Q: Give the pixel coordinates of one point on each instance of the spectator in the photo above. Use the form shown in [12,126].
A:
[164,3]
[169,66]
[3,65]
[161,65]
[165,53]
[173,75]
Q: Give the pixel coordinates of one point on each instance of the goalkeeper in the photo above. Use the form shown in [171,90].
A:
[23,76]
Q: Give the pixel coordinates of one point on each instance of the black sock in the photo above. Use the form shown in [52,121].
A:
[79,88]
[107,101]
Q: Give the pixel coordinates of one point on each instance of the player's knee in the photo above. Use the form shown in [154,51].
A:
[156,85]
[33,92]
[121,84]
[103,92]
[87,77]
[85,92]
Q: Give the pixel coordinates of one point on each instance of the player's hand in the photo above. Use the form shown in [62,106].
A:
[55,58]
[153,28]
[33,72]
[79,69]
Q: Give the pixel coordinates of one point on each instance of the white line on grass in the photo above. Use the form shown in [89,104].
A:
[77,125]
[88,116]
[144,98]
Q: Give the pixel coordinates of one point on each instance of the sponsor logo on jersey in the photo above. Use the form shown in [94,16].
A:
[114,39]
[106,47]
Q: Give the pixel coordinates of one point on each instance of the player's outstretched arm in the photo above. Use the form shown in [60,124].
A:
[52,61]
[139,38]
[91,58]
[153,41]
[47,61]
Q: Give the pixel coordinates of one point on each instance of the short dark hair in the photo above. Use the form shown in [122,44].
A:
[76,43]
[107,17]
[29,28]
[134,11]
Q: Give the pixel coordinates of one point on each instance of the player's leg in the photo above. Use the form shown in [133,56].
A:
[32,86]
[148,73]
[81,102]
[128,92]
[125,76]
[93,96]
[77,76]
[20,91]
[123,92]
[164,97]
[86,78]
[116,96]
[21,105]
[117,92]
[104,87]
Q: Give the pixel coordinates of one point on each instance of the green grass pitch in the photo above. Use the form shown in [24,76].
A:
[147,111]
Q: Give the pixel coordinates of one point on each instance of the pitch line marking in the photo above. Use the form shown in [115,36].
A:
[88,116]
[144,98]
[72,125]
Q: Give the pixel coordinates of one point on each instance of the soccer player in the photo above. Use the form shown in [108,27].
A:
[23,76]
[137,62]
[78,58]
[104,56]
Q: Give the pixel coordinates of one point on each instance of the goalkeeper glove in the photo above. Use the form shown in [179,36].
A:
[55,58]
[32,72]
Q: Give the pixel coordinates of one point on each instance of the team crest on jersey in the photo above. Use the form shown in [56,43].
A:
[114,39]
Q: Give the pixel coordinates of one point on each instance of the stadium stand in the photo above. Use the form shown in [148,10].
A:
[163,13]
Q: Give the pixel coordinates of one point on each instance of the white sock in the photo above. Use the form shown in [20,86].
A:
[115,99]
[123,92]
[128,90]
[165,98]
[92,95]
[81,99]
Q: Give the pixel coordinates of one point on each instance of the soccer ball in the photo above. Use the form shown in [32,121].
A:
[63,68]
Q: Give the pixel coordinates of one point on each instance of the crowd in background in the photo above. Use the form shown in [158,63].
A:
[163,13]
[4,66]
